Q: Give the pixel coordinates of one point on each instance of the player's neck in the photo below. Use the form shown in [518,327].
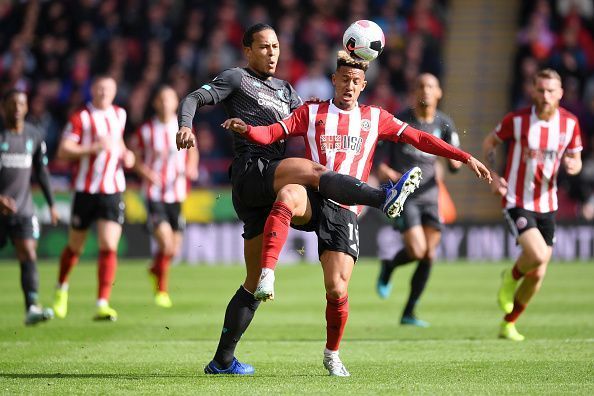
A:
[344,106]
[165,118]
[15,126]
[425,114]
[545,115]
[258,74]
[100,106]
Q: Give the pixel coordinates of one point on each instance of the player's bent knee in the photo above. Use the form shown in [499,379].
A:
[293,196]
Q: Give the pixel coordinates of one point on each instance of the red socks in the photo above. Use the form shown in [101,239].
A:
[68,260]
[517,311]
[337,313]
[516,274]
[276,230]
[108,263]
[160,269]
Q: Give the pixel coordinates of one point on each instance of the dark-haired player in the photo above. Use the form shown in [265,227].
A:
[541,138]
[165,172]
[259,171]
[22,153]
[419,222]
[342,135]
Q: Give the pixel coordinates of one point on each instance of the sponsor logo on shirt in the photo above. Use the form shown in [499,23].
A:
[267,100]
[341,143]
[539,155]
[16,160]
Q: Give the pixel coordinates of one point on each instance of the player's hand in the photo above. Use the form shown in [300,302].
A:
[185,138]
[102,144]
[152,177]
[7,205]
[192,173]
[572,165]
[54,215]
[235,124]
[479,169]
[128,158]
[499,185]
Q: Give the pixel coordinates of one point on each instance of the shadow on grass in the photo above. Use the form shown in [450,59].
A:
[93,375]
[134,376]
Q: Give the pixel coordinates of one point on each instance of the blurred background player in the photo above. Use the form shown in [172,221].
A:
[419,222]
[541,138]
[165,172]
[358,129]
[22,154]
[93,138]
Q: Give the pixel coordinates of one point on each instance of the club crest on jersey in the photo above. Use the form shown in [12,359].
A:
[29,146]
[437,132]
[256,84]
[341,143]
[365,125]
[5,146]
[283,94]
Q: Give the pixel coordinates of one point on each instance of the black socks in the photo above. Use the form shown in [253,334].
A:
[388,266]
[348,190]
[417,285]
[238,316]
[29,282]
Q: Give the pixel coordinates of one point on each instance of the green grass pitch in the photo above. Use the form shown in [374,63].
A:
[153,351]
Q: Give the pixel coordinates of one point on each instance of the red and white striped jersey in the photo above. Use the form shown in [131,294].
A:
[534,156]
[343,141]
[101,173]
[156,141]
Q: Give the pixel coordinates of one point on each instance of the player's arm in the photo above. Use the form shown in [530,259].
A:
[43,178]
[451,136]
[127,156]
[145,172]
[261,134]
[192,163]
[295,124]
[70,147]
[430,144]
[572,159]
[489,148]
[211,93]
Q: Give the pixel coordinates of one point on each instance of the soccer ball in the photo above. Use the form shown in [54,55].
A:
[364,40]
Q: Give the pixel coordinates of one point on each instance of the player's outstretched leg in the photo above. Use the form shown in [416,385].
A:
[396,194]
[68,259]
[35,313]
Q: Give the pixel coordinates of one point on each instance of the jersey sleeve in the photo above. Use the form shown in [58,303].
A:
[297,123]
[390,127]
[505,129]
[73,129]
[223,85]
[450,134]
[575,144]
[295,98]
[40,170]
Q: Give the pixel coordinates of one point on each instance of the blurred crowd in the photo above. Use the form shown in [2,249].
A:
[52,50]
[560,34]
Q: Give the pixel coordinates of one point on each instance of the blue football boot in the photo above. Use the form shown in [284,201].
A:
[397,193]
[235,368]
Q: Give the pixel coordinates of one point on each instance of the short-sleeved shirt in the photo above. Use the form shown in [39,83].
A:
[155,141]
[401,156]
[343,141]
[535,153]
[20,153]
[98,173]
[258,102]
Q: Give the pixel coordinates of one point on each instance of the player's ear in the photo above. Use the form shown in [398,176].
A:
[334,79]
[363,85]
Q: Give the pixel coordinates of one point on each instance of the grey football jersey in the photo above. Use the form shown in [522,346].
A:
[256,101]
[20,155]
[402,156]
